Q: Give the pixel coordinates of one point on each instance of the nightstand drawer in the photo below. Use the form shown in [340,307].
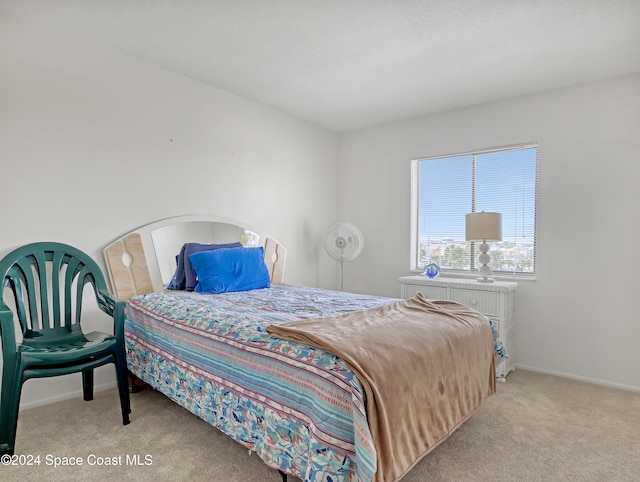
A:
[487,303]
[429,292]
[434,292]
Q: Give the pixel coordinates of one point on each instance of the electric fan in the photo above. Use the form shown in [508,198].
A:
[343,242]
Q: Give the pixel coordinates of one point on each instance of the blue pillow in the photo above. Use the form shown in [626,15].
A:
[184,278]
[230,269]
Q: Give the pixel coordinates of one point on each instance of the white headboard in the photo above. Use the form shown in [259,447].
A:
[144,259]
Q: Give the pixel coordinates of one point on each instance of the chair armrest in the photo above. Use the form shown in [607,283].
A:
[7,331]
[114,308]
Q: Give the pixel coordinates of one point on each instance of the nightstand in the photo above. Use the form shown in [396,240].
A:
[494,300]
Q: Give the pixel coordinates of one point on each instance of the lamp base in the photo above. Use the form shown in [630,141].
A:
[485,269]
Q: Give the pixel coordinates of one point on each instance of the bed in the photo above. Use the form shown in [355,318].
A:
[313,381]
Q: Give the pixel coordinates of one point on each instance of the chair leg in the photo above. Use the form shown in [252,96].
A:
[123,386]
[87,384]
[9,407]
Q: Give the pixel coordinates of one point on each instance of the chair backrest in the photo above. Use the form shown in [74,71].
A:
[47,283]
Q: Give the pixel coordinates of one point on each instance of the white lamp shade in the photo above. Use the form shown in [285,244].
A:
[484,226]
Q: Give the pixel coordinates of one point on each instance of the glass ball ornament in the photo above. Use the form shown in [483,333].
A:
[432,270]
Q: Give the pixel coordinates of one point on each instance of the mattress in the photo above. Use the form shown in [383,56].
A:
[300,408]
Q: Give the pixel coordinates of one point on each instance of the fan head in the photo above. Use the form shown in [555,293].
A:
[343,241]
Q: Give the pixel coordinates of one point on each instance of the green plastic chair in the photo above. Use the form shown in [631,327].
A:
[45,283]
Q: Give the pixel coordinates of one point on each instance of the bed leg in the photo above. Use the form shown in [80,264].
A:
[134,387]
[284,476]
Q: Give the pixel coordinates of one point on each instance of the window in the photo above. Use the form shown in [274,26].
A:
[445,188]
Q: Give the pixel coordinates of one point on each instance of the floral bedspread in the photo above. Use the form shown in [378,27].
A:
[299,408]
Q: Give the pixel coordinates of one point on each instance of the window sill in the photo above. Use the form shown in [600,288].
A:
[497,277]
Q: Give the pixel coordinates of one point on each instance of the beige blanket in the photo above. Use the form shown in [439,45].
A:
[425,367]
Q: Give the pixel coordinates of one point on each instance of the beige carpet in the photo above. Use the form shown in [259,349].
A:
[536,428]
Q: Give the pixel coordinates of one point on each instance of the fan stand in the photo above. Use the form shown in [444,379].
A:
[341,243]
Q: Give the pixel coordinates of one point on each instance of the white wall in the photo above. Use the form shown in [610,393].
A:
[580,318]
[94,144]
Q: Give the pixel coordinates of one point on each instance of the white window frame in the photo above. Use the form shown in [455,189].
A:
[415,200]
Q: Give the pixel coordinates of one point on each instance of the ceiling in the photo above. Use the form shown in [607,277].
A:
[348,64]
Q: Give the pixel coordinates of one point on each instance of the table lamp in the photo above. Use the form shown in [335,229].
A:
[484,227]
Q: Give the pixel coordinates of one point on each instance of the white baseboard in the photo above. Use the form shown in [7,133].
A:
[595,381]
[65,396]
